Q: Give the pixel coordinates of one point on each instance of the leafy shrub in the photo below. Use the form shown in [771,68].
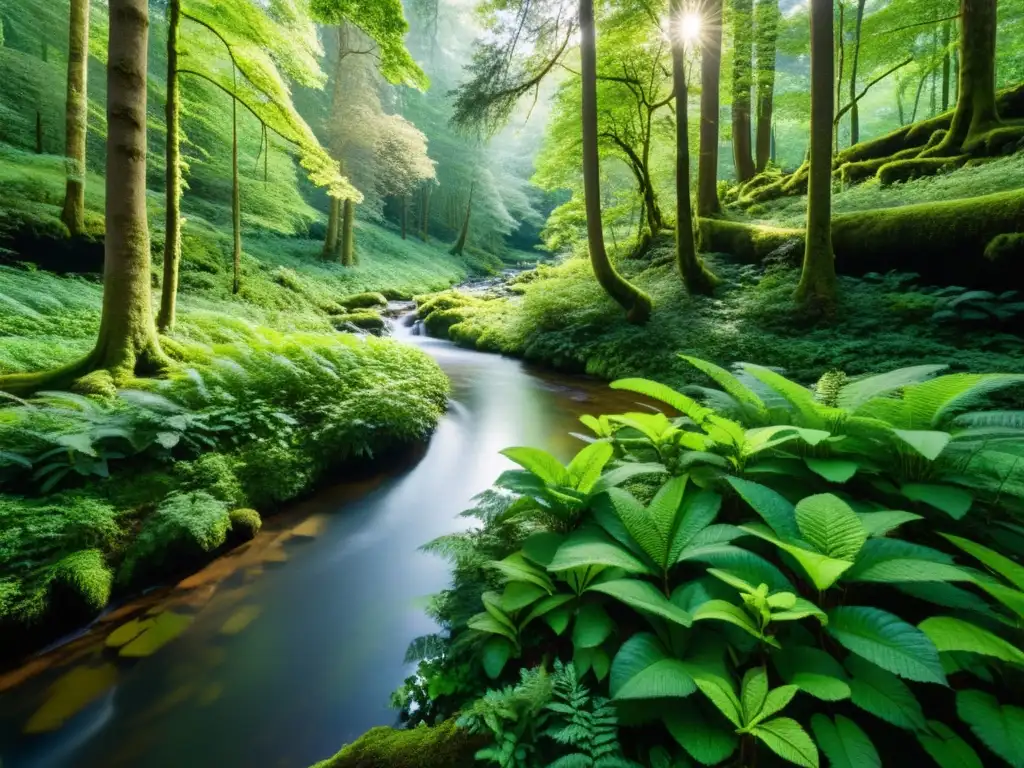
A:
[213,473]
[183,528]
[814,550]
[977,308]
[270,473]
[245,523]
[83,579]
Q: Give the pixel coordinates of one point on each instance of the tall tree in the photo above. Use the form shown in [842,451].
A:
[818,278]
[696,277]
[77,114]
[460,244]
[854,110]
[766,26]
[710,76]
[742,82]
[172,181]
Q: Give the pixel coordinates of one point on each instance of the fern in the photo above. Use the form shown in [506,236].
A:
[829,388]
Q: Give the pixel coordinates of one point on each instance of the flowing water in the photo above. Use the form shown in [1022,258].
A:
[289,646]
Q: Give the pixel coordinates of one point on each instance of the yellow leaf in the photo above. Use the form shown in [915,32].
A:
[70,694]
[166,626]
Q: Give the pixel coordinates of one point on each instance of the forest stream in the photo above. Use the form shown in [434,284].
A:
[289,646]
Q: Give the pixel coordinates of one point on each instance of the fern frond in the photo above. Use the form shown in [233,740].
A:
[858,391]
[665,394]
[800,398]
[751,404]
[930,403]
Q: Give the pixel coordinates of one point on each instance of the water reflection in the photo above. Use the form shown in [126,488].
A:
[295,641]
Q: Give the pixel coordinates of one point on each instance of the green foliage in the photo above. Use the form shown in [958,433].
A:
[245,523]
[86,578]
[443,746]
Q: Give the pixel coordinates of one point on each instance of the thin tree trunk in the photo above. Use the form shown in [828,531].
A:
[460,244]
[405,214]
[766,24]
[76,117]
[818,279]
[696,277]
[425,228]
[840,54]
[236,201]
[854,109]
[348,250]
[333,220]
[710,80]
[172,215]
[635,302]
[742,82]
[946,63]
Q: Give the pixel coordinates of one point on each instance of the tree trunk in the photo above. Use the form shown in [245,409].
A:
[636,303]
[405,214]
[976,97]
[947,29]
[854,110]
[818,279]
[39,132]
[76,117]
[766,25]
[742,82]
[172,214]
[236,202]
[696,277]
[710,76]
[425,227]
[348,250]
[840,54]
[460,244]
[333,218]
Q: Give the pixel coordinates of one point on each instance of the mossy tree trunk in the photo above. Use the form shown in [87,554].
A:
[635,302]
[236,201]
[766,24]
[854,110]
[742,82]
[460,244]
[172,214]
[947,63]
[696,277]
[76,117]
[333,220]
[710,78]
[347,240]
[818,279]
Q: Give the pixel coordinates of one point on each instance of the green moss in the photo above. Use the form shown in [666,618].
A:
[363,300]
[214,474]
[750,243]
[81,582]
[141,491]
[98,383]
[271,474]
[245,523]
[444,746]
[1006,249]
[364,320]
[904,170]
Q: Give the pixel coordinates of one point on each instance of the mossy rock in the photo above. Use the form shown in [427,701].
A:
[363,300]
[80,583]
[1006,248]
[442,301]
[245,523]
[747,243]
[444,746]
[439,322]
[363,320]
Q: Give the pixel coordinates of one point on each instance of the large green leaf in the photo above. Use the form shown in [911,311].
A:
[947,749]
[539,462]
[698,512]
[664,507]
[640,524]
[813,671]
[951,634]
[585,468]
[748,566]
[541,547]
[928,443]
[753,692]
[824,571]
[642,596]
[886,640]
[773,508]
[861,390]
[588,546]
[833,470]
[593,626]
[1004,566]
[787,739]
[881,523]
[495,654]
[619,475]
[955,502]
[516,567]
[719,691]
[883,694]
[844,743]
[802,399]
[485,622]
[643,669]
[519,594]
[730,384]
[930,403]
[894,561]
[830,525]
[665,394]
[722,610]
[546,605]
[705,739]
[998,727]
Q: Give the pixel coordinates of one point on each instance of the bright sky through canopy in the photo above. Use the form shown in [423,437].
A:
[690,26]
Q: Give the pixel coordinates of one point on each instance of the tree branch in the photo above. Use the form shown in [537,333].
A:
[848,107]
[914,26]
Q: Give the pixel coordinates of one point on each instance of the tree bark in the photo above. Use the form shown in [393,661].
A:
[710,77]
[742,82]
[333,219]
[347,242]
[766,25]
[696,277]
[854,110]
[636,303]
[818,279]
[840,54]
[976,96]
[947,29]
[172,215]
[236,202]
[460,244]
[76,117]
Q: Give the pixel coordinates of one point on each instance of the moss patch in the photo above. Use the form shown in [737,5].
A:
[245,523]
[444,746]
[363,300]
[364,320]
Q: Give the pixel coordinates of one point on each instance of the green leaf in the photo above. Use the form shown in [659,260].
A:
[539,462]
[954,501]
[721,610]
[541,547]
[824,571]
[704,739]
[485,622]
[519,594]
[833,470]
[665,394]
[664,507]
[776,701]
[884,695]
[593,626]
[844,743]
[642,596]
[638,522]
[589,546]
[773,508]
[813,671]
[927,443]
[748,566]
[515,567]
[719,692]
[829,525]
[585,468]
[801,398]
[788,740]
[619,475]
[801,609]
[881,523]
[546,606]
[860,390]
[947,749]
[950,634]
[894,561]
[496,653]
[753,693]
[642,669]
[698,512]
[729,383]
[998,727]
[888,641]
[1004,566]
[558,618]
